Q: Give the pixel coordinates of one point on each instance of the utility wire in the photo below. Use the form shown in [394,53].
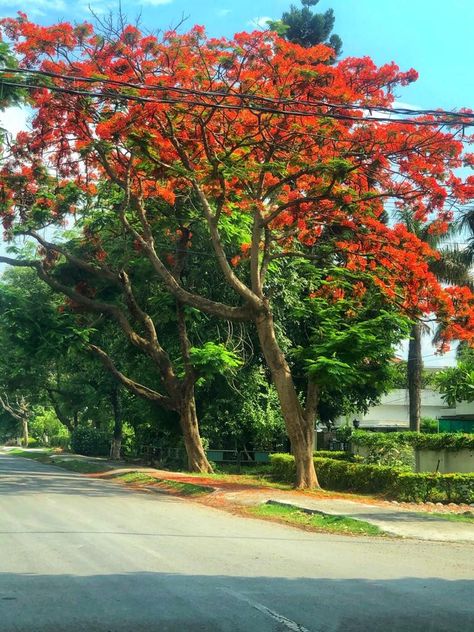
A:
[244,95]
[464,121]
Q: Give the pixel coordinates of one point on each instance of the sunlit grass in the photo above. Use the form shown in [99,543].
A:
[468,516]
[182,488]
[314,521]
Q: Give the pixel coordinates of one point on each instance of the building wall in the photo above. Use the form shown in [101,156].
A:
[393,412]
[445,461]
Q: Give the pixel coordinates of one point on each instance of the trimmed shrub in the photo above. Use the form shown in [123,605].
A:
[429,425]
[283,467]
[90,441]
[333,454]
[442,441]
[341,475]
[60,441]
[356,477]
[427,486]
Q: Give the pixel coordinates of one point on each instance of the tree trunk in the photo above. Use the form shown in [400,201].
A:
[197,459]
[25,434]
[298,425]
[116,444]
[59,414]
[414,375]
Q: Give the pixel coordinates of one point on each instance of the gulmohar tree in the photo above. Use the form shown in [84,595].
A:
[261,146]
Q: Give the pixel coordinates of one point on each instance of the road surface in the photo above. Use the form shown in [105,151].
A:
[84,555]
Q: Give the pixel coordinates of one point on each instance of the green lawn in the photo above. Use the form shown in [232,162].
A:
[468,516]
[45,455]
[316,522]
[135,477]
[80,466]
[185,489]
[39,455]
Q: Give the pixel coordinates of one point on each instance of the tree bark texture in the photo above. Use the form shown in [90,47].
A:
[116,445]
[25,432]
[298,424]
[414,375]
[197,459]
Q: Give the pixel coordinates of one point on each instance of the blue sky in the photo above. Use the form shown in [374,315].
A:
[434,37]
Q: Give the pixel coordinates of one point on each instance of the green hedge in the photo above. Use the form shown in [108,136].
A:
[90,441]
[340,455]
[59,441]
[442,441]
[340,475]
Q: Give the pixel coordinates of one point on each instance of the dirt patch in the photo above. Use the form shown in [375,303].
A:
[232,493]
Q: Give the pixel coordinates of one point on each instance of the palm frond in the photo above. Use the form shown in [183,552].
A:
[453,267]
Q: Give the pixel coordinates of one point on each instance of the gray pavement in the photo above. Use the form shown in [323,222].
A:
[85,555]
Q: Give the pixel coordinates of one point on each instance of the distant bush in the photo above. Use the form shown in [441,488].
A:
[333,454]
[32,442]
[429,425]
[60,441]
[90,441]
[341,475]
[442,441]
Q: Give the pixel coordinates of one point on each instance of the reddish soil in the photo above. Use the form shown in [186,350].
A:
[233,493]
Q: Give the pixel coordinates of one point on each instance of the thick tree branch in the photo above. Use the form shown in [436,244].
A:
[214,308]
[131,385]
[4,403]
[100,271]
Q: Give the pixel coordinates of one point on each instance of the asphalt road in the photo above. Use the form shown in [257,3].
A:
[82,555]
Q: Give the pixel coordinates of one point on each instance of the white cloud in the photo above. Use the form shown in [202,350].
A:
[259,22]
[32,7]
[14,120]
[405,106]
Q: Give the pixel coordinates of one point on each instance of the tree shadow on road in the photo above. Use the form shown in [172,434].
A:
[165,602]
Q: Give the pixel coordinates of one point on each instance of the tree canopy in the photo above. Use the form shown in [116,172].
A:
[254,154]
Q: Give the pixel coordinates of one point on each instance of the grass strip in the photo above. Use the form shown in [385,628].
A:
[186,489]
[316,522]
[136,477]
[80,466]
[467,516]
[182,488]
[73,465]
[43,456]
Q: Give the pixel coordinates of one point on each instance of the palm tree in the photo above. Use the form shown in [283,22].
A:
[453,267]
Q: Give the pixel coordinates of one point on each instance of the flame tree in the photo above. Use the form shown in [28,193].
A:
[268,150]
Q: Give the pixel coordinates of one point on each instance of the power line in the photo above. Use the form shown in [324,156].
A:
[243,95]
[452,121]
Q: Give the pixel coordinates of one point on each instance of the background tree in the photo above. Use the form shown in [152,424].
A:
[451,266]
[43,362]
[456,384]
[306,28]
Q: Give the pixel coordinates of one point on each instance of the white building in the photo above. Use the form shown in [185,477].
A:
[393,411]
